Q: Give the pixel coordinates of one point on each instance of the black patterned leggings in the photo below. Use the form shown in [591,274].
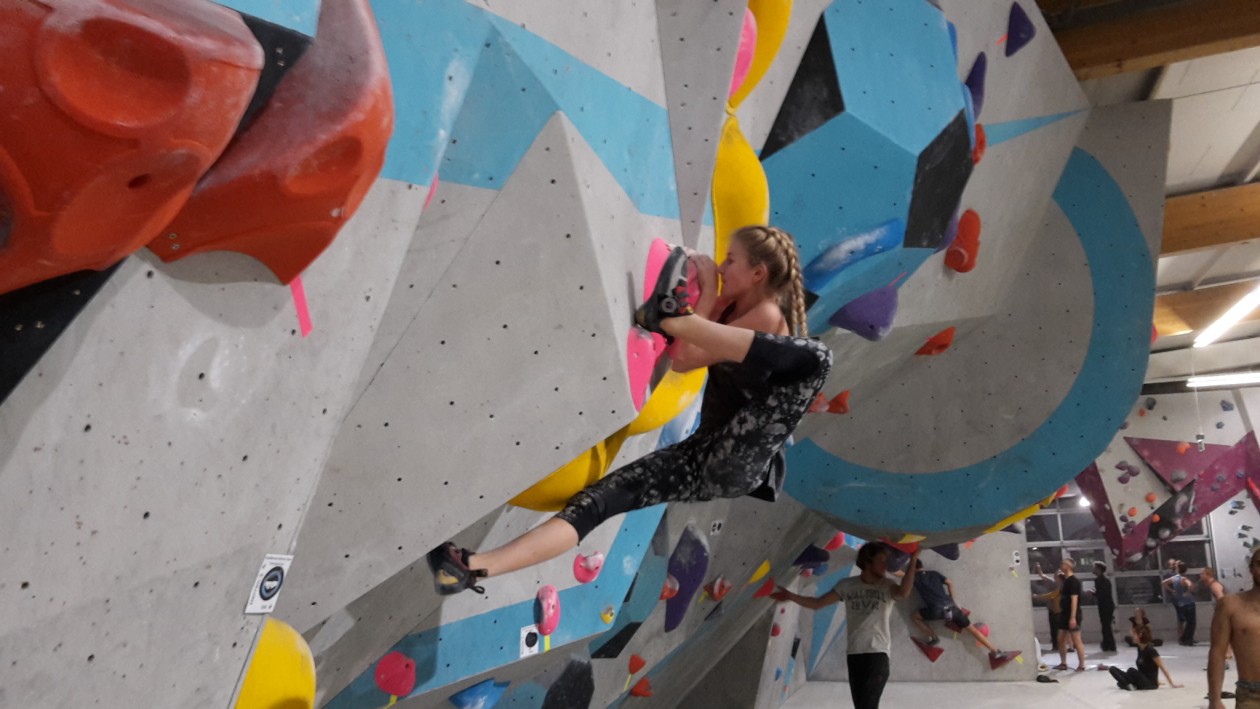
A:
[727,462]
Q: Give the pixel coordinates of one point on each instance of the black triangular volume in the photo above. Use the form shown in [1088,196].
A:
[940,176]
[614,645]
[812,99]
[32,318]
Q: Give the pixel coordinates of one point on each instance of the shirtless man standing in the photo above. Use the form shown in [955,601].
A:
[1236,623]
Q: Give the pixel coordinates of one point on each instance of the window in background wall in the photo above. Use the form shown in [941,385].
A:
[1066,529]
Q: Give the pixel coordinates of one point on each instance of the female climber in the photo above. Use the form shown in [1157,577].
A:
[763,374]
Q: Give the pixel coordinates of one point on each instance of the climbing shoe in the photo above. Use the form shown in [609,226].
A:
[450,570]
[668,298]
[999,658]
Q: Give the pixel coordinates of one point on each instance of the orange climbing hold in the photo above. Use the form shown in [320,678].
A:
[840,404]
[1133,512]
[982,144]
[819,404]
[961,255]
[291,181]
[637,663]
[1182,448]
[642,688]
[937,343]
[1150,497]
[112,112]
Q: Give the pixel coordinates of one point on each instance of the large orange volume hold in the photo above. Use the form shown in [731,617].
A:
[110,111]
[290,181]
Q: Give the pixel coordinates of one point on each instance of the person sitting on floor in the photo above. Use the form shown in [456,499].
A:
[1149,664]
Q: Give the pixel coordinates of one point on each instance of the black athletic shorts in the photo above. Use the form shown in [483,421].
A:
[949,614]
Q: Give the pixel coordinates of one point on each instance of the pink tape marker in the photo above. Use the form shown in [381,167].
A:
[299,303]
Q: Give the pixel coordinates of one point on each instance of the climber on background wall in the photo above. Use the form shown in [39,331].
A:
[763,374]
[937,595]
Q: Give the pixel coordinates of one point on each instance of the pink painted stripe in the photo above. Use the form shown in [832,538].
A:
[299,303]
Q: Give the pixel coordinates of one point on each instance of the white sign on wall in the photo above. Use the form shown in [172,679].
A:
[266,589]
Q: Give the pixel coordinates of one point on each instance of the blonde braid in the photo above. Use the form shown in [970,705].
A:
[797,324]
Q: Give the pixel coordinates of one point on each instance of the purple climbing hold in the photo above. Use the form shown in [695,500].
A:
[949,551]
[688,564]
[1226,406]
[870,315]
[1124,479]
[975,82]
[1122,465]
[812,556]
[1149,403]
[1124,518]
[1019,30]
[1124,425]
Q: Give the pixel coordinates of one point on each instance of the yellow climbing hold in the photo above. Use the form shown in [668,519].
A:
[552,492]
[772,23]
[741,194]
[281,674]
[1017,517]
[608,615]
[911,538]
[675,392]
[760,573]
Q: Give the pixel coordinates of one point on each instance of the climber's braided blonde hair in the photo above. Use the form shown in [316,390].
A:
[776,250]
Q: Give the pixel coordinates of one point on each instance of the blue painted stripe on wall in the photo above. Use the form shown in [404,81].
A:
[896,67]
[299,15]
[464,648]
[998,133]
[472,91]
[1123,279]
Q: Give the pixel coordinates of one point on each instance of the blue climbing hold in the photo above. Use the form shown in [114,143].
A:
[1226,405]
[975,82]
[870,315]
[479,696]
[822,271]
[1020,30]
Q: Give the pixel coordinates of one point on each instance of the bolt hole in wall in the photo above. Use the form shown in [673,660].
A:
[1067,529]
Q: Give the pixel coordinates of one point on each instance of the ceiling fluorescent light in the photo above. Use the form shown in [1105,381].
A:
[1224,380]
[1231,317]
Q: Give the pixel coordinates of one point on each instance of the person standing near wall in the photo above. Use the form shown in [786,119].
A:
[1182,590]
[1054,608]
[1106,606]
[1236,623]
[868,602]
[1070,621]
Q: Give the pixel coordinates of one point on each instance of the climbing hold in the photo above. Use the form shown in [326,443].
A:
[1020,30]
[1182,447]
[840,404]
[933,652]
[997,660]
[819,405]
[1150,497]
[718,588]
[1124,479]
[548,609]
[636,663]
[823,269]
[983,628]
[778,672]
[1155,519]
[673,394]
[608,615]
[670,589]
[1220,424]
[975,81]
[282,671]
[949,551]
[937,343]
[482,695]
[951,233]
[766,589]
[961,255]
[906,545]
[432,191]
[1133,512]
[775,630]
[687,565]
[807,572]
[1124,425]
[744,55]
[642,688]
[954,626]
[812,555]
[982,145]
[760,573]
[586,568]
[1226,406]
[395,674]
[835,542]
[1178,476]
[869,315]
[1141,412]
[1150,403]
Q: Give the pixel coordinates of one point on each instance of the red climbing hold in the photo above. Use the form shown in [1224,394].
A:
[775,630]
[1182,448]
[836,542]
[1133,512]
[396,674]
[1150,497]
[642,688]
[998,659]
[819,405]
[766,589]
[840,404]
[1141,412]
[982,143]
[933,652]
[718,588]
[961,255]
[637,663]
[670,589]
[938,343]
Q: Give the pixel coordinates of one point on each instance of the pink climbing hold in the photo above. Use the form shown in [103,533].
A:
[744,56]
[669,589]
[395,674]
[586,568]
[548,609]
[836,542]
[644,349]
[432,191]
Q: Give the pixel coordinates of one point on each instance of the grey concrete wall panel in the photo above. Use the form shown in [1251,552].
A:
[617,38]
[698,44]
[1035,82]
[465,427]
[756,114]
[736,678]
[170,439]
[983,583]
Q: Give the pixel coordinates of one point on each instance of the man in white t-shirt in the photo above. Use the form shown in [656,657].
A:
[868,602]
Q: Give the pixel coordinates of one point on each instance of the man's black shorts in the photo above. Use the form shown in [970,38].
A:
[949,614]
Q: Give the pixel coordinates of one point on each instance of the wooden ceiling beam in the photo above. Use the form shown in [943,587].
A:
[1205,220]
[1159,36]
[1192,311]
